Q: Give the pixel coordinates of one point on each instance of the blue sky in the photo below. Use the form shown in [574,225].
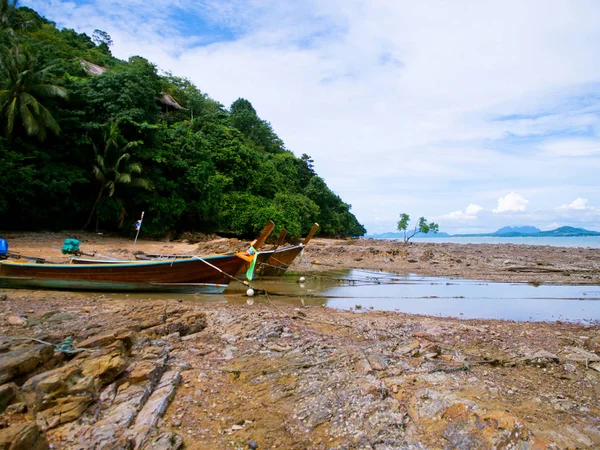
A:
[473,114]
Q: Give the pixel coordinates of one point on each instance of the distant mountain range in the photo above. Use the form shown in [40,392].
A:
[536,232]
[525,231]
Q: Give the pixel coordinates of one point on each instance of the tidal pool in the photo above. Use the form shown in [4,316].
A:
[453,297]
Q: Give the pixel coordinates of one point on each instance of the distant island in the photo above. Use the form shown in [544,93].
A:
[535,232]
[524,231]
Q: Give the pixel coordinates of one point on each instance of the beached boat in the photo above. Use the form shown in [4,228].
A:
[275,262]
[209,274]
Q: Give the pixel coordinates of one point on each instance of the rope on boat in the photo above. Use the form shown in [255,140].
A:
[281,268]
[282,264]
[244,283]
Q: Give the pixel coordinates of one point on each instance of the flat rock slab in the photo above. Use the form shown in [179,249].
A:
[23,436]
[154,408]
[23,360]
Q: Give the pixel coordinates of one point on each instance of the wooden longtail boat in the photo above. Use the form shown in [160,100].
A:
[273,262]
[276,261]
[200,275]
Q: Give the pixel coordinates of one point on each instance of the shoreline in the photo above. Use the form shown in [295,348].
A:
[486,262]
[168,373]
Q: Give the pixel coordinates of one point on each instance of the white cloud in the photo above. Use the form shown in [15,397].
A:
[511,202]
[470,213]
[578,204]
[472,210]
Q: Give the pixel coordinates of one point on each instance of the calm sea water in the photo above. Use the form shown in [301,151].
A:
[580,241]
[438,296]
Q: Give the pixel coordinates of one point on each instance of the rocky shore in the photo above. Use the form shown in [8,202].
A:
[106,371]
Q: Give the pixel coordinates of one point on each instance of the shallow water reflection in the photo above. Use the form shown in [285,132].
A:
[360,289]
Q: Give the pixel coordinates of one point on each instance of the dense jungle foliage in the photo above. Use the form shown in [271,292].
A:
[88,140]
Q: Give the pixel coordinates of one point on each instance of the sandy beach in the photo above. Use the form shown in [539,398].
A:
[176,374]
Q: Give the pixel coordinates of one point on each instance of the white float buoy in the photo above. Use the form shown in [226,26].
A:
[302,279]
[250,292]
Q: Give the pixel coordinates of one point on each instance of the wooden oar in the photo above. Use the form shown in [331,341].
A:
[264,234]
[311,233]
[280,239]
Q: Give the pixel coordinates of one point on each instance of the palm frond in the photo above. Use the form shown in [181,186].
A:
[99,174]
[111,188]
[49,121]
[29,101]
[28,119]
[49,90]
[142,183]
[123,157]
[5,97]
[11,116]
[133,168]
[111,135]
[124,178]
[42,72]
[131,145]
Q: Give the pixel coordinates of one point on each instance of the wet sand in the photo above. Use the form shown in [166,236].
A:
[266,375]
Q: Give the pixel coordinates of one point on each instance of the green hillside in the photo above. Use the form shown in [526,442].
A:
[88,140]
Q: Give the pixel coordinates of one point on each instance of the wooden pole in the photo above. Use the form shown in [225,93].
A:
[264,234]
[280,239]
[311,233]
[138,227]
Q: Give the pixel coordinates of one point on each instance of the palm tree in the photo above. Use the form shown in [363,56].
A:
[112,168]
[21,86]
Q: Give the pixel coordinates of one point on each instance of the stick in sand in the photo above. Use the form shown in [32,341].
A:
[138,226]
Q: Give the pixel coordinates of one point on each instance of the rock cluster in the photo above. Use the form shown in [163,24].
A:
[108,392]
[163,373]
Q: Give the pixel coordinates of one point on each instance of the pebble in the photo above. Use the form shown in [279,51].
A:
[16,320]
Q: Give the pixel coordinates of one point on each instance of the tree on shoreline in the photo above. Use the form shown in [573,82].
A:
[111,169]
[420,227]
[22,86]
